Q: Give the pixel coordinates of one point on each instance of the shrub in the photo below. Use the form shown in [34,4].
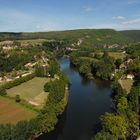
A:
[47,87]
[17,98]
[2,91]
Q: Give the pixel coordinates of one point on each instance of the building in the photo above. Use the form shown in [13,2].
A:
[30,64]
[122,66]
[130,76]
[25,74]
[129,61]
[1,79]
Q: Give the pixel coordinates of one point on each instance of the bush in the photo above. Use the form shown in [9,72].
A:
[17,98]
[2,91]
[17,82]
[47,87]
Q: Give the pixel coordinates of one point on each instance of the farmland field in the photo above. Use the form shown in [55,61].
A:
[117,55]
[11,112]
[31,91]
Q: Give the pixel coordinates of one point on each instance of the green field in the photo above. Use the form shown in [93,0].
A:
[126,84]
[11,112]
[88,59]
[31,91]
[117,55]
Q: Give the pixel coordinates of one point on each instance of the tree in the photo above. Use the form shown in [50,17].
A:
[47,86]
[17,98]
[85,69]
[118,62]
[122,105]
[2,91]
[104,136]
[133,98]
[40,71]
[48,119]
[53,68]
[133,122]
[114,124]
[14,73]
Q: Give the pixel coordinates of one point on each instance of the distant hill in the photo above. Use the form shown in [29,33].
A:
[134,34]
[86,36]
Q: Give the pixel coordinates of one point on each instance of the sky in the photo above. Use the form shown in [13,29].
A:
[53,15]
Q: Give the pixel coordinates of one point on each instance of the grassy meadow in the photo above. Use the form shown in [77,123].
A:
[31,91]
[126,84]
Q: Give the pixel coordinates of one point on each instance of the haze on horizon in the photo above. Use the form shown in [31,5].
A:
[50,15]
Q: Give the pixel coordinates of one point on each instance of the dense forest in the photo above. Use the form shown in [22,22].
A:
[134,34]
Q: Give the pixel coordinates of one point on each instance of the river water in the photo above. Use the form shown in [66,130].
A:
[88,100]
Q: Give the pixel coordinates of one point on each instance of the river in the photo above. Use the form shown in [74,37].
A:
[88,100]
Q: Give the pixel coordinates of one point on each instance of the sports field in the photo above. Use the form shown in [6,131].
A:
[11,112]
[31,91]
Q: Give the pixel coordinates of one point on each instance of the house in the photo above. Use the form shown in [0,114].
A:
[17,77]
[8,42]
[25,74]
[129,61]
[9,79]
[130,76]
[122,66]
[113,46]
[30,64]
[45,60]
[1,79]
[79,42]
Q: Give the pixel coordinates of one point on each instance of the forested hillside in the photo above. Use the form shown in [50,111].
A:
[134,34]
[88,37]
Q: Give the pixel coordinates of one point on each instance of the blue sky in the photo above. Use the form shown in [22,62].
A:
[48,15]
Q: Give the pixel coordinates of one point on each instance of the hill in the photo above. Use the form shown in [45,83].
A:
[134,34]
[85,36]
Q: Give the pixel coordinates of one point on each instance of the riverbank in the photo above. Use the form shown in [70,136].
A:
[55,104]
[88,100]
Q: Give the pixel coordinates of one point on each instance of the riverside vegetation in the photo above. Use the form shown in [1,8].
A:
[46,118]
[91,52]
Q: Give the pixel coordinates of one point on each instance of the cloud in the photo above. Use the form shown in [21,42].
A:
[132,22]
[119,18]
[133,1]
[88,9]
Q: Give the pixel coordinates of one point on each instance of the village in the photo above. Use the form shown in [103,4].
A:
[28,68]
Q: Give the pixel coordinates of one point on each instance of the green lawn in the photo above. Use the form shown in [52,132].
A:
[126,84]
[89,59]
[31,91]
[115,55]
